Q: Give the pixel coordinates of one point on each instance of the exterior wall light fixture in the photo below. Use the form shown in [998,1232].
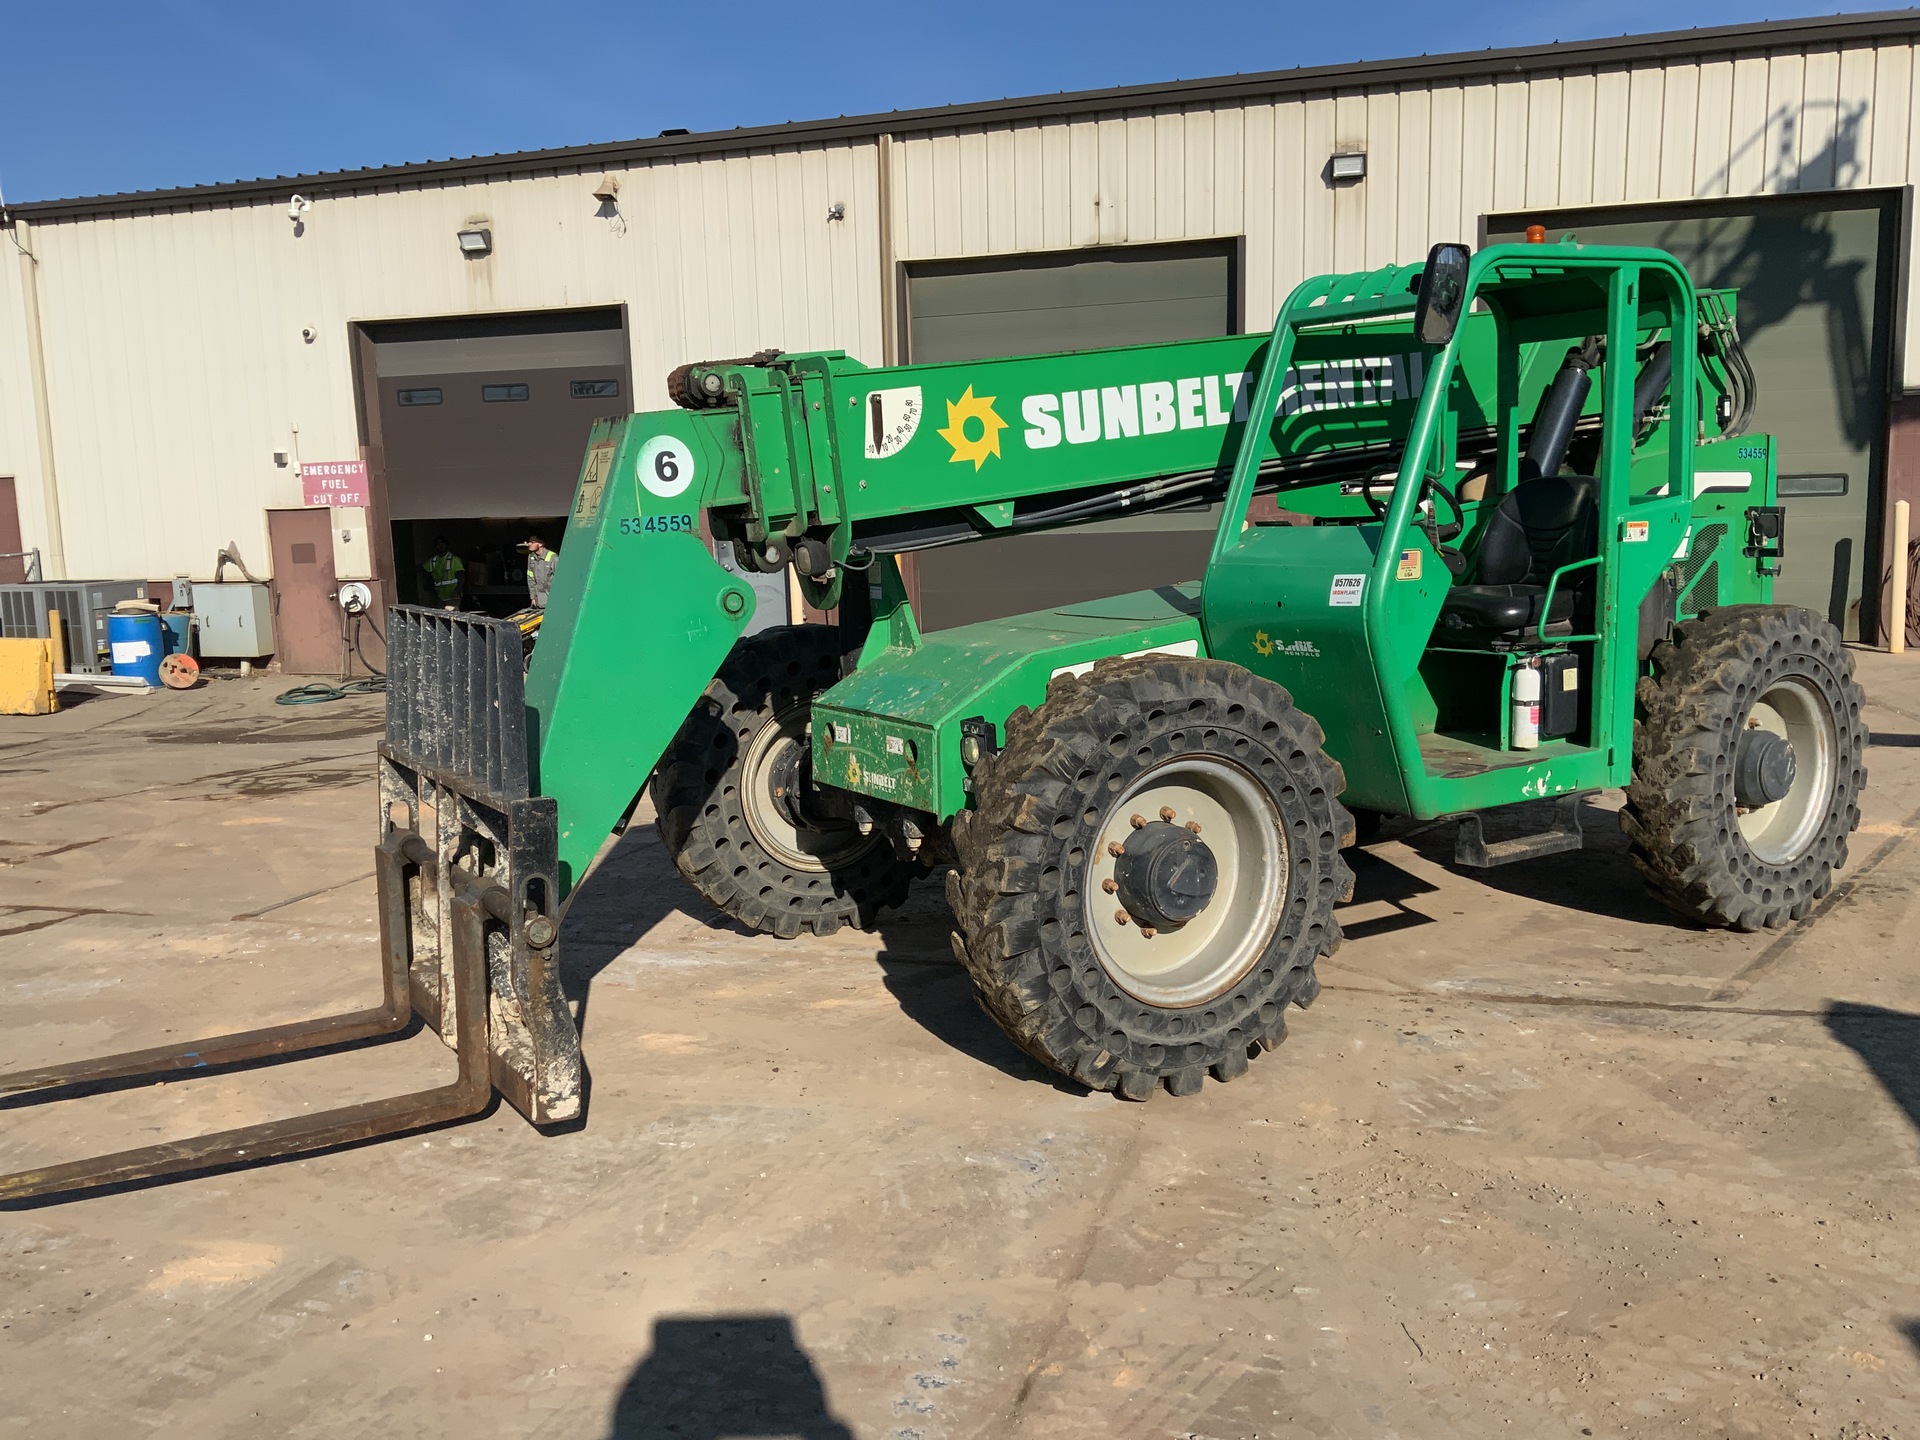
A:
[475,243]
[1351,165]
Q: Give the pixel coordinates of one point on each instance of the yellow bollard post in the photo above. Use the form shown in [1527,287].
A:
[1902,512]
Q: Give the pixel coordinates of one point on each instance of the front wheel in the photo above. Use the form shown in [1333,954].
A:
[1149,876]
[733,795]
[1748,759]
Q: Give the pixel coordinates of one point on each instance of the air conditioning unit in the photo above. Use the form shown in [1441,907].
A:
[83,606]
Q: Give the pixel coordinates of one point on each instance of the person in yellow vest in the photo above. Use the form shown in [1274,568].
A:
[540,563]
[448,573]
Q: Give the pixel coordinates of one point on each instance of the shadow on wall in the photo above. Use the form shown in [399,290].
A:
[1804,249]
[709,1376]
[1889,1041]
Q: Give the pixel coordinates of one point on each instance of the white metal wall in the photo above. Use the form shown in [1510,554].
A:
[173,340]
[19,443]
[1438,159]
[177,367]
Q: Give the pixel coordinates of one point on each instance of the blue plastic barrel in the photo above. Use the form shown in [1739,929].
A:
[136,644]
[179,636]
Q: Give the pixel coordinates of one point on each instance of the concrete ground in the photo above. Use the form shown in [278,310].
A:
[1540,1162]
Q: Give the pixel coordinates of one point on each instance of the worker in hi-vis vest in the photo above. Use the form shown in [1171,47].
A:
[448,573]
[540,563]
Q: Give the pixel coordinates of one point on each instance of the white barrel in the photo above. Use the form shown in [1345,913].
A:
[1526,708]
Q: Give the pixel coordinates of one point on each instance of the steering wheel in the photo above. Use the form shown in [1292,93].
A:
[1428,485]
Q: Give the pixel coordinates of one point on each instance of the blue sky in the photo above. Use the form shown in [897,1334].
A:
[115,96]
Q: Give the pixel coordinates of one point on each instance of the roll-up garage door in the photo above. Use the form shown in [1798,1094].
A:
[1037,304]
[1815,307]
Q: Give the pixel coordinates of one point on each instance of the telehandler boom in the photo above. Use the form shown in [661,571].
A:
[1490,531]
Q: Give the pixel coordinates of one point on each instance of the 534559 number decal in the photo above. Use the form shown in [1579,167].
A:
[658,525]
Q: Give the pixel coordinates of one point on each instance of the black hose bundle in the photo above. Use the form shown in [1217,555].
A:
[1913,596]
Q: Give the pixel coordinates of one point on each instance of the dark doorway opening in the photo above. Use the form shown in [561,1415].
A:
[495,580]
[475,429]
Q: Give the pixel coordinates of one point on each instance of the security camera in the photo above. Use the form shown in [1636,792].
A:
[307,333]
[298,206]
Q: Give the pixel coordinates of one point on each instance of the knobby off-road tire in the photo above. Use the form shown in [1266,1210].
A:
[1081,991]
[718,813]
[1734,677]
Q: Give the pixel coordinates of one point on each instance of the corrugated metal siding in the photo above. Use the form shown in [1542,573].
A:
[1438,159]
[176,366]
[174,353]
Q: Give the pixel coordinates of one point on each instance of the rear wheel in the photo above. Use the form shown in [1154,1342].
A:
[733,796]
[1748,760]
[1150,873]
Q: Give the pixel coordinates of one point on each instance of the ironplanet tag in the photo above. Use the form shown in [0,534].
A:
[1155,407]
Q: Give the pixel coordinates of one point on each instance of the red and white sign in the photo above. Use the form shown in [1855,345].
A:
[334,482]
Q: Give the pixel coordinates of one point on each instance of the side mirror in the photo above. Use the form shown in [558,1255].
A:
[1443,293]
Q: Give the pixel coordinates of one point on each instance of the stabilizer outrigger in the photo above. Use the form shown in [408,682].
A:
[457,824]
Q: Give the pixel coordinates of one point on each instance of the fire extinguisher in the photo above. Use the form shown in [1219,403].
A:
[1526,707]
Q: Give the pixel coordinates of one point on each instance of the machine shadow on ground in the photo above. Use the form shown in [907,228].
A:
[633,889]
[636,887]
[937,995]
[1598,879]
[709,1376]
[1889,1042]
[1378,881]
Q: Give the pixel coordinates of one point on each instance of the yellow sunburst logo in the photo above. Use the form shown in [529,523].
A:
[976,448]
[853,771]
[1262,642]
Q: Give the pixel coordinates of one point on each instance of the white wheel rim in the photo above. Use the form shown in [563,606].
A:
[801,848]
[1212,952]
[1794,709]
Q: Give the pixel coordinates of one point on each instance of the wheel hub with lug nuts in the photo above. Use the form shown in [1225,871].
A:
[1763,767]
[1198,891]
[774,782]
[1785,767]
[1165,875]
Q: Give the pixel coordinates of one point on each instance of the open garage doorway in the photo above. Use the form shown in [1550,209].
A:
[477,426]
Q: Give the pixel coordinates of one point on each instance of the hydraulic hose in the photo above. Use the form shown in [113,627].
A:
[1652,383]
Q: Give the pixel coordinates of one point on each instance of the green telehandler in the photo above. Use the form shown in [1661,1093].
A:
[1491,530]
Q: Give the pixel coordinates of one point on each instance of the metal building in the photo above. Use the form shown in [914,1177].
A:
[171,361]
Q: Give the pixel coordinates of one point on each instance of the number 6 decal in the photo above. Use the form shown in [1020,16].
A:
[666,466]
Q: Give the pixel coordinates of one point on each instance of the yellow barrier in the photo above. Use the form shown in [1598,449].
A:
[26,678]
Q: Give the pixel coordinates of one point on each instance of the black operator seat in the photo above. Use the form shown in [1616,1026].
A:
[1538,526]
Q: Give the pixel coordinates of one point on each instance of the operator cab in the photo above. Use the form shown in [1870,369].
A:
[1517,496]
